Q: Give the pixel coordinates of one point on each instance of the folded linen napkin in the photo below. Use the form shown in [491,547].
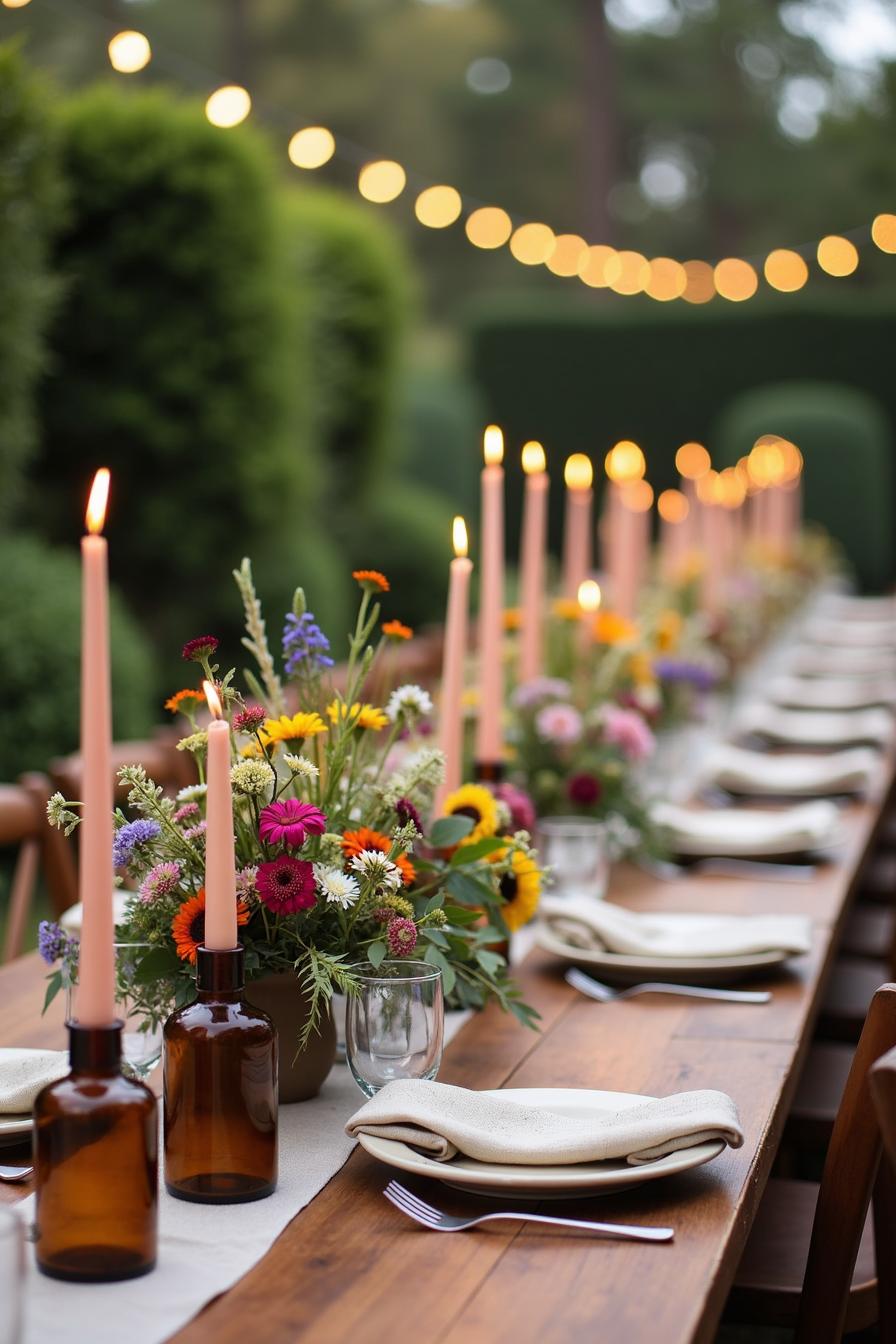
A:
[442,1121]
[843,661]
[71,918]
[816,728]
[600,925]
[832,692]
[867,634]
[848,607]
[24,1072]
[749,832]
[791,775]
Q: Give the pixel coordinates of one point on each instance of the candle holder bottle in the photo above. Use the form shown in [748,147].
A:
[220,1062]
[96,1166]
[489,772]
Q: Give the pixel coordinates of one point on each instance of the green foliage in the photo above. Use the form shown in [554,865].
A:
[581,377]
[441,431]
[40,640]
[30,203]
[177,357]
[847,446]
[354,281]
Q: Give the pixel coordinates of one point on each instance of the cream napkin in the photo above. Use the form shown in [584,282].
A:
[24,1072]
[443,1121]
[71,918]
[832,692]
[600,925]
[848,607]
[791,775]
[749,832]
[841,661]
[816,728]
[868,634]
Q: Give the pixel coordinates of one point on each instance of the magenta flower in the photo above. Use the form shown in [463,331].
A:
[584,789]
[627,730]
[401,935]
[286,885]
[289,822]
[250,719]
[202,647]
[561,724]
[518,804]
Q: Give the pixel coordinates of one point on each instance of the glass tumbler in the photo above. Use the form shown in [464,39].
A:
[141,1039]
[12,1276]
[395,1023]
[573,851]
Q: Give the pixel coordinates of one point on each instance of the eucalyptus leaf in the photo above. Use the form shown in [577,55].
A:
[479,849]
[449,831]
[157,964]
[54,984]
[376,954]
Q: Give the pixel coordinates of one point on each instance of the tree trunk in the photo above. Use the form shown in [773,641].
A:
[600,123]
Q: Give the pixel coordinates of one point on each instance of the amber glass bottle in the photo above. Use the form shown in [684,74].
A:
[220,1090]
[96,1166]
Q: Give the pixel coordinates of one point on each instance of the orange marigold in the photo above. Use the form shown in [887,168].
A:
[395,630]
[372,580]
[188,925]
[354,842]
[176,700]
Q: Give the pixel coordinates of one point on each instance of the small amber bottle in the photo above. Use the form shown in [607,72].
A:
[96,1166]
[220,1090]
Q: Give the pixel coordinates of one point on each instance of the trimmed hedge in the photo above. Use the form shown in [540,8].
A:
[30,206]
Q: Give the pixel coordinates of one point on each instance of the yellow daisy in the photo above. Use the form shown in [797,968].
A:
[520,890]
[477,803]
[668,631]
[641,669]
[567,609]
[611,628]
[512,618]
[358,715]
[292,729]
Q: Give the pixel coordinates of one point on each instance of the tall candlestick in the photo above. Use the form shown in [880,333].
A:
[532,561]
[578,475]
[453,655]
[220,861]
[674,510]
[96,971]
[489,728]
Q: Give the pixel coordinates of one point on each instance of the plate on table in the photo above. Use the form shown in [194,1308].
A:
[503,1180]
[15,1128]
[632,970]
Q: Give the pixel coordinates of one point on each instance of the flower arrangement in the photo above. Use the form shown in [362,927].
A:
[339,859]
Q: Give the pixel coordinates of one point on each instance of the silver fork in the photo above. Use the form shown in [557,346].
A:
[443,1222]
[596,989]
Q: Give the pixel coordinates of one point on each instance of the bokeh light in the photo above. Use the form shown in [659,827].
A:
[437,207]
[692,461]
[735,280]
[837,256]
[567,254]
[493,445]
[531,244]
[699,283]
[785,270]
[533,458]
[883,231]
[730,489]
[128,52]
[673,506]
[628,272]
[228,106]
[381,181]
[707,487]
[666,280]
[311,147]
[578,472]
[625,462]
[637,495]
[593,265]
[589,596]
[16,4]
[488,227]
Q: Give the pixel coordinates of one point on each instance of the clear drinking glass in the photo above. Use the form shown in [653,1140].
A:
[573,850]
[141,1041]
[12,1276]
[394,1025]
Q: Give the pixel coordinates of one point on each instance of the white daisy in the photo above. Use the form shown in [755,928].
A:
[408,702]
[338,887]
[192,793]
[300,765]
[376,869]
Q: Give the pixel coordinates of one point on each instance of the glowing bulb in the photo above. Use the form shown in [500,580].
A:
[488,227]
[692,461]
[730,489]
[625,462]
[459,537]
[382,181]
[531,244]
[785,270]
[437,207]
[673,506]
[707,487]
[667,279]
[97,501]
[699,283]
[213,700]
[593,266]
[534,460]
[566,254]
[578,472]
[883,232]
[16,4]
[493,446]
[628,272]
[838,256]
[735,279]
[637,495]
[311,147]
[228,106]
[129,52]
[589,596]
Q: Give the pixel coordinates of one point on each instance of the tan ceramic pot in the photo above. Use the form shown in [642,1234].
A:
[286,1004]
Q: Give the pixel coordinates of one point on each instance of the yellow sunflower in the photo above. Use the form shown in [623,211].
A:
[520,890]
[475,802]
[358,715]
[611,628]
[292,729]
[566,609]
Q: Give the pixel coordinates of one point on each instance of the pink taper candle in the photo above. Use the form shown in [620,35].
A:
[673,507]
[451,716]
[220,860]
[577,549]
[96,972]
[532,561]
[489,730]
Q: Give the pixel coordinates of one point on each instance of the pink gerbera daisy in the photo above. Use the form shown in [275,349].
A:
[286,885]
[289,822]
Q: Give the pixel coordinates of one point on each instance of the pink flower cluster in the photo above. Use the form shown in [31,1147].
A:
[626,729]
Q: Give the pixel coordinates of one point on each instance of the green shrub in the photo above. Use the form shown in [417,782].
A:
[354,279]
[177,356]
[30,201]
[847,446]
[441,435]
[40,638]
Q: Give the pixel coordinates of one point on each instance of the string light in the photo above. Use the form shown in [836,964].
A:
[437,207]
[838,256]
[735,280]
[129,52]
[785,270]
[593,265]
[667,280]
[381,181]
[489,227]
[311,147]
[883,232]
[16,4]
[699,284]
[628,272]
[567,254]
[532,244]
[228,106]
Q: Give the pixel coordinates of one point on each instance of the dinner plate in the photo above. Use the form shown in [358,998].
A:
[14,1128]
[559,1182]
[632,970]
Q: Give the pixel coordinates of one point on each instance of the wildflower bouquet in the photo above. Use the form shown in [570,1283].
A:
[339,859]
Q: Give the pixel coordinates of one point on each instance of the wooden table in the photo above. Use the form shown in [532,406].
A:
[350,1268]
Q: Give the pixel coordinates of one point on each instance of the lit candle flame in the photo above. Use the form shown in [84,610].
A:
[493,446]
[673,506]
[214,700]
[534,460]
[707,488]
[96,504]
[692,461]
[637,495]
[459,537]
[589,596]
[578,472]
[625,462]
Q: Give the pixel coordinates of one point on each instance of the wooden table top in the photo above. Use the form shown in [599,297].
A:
[349,1267]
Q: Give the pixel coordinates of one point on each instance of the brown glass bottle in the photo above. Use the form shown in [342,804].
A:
[96,1166]
[489,772]
[220,1090]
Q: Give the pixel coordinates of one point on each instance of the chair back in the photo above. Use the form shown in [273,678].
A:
[168,767]
[851,1171]
[883,1090]
[23,822]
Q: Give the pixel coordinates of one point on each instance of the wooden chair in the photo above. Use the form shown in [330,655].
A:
[23,822]
[810,1258]
[170,768]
